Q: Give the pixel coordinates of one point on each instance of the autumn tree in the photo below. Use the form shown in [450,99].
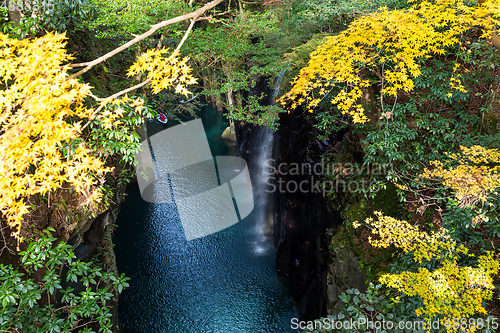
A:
[402,78]
[418,88]
[448,291]
[44,113]
[390,45]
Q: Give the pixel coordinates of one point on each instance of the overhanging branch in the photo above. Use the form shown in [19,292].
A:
[193,16]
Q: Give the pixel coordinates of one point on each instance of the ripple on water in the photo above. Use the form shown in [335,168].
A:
[225,282]
[220,283]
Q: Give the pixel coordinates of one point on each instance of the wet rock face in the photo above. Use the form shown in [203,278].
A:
[301,218]
[86,240]
[302,215]
[302,251]
[85,244]
[343,273]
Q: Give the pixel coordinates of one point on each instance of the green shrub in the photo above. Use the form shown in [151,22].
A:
[36,301]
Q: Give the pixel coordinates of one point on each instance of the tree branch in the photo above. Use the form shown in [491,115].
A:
[118,94]
[123,92]
[193,15]
[142,84]
[185,36]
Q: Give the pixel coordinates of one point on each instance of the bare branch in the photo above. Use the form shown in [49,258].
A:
[193,15]
[185,36]
[4,241]
[123,92]
[142,84]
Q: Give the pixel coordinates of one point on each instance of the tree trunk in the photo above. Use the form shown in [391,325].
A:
[15,17]
[495,40]
[372,111]
[369,99]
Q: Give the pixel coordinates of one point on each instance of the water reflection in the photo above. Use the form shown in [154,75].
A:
[225,282]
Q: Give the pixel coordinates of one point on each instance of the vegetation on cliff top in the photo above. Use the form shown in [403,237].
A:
[419,88]
[415,85]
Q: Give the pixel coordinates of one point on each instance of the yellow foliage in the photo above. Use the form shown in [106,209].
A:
[112,119]
[40,109]
[391,231]
[474,177]
[388,43]
[35,105]
[164,72]
[450,291]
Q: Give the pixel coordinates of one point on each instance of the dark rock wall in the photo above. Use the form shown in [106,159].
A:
[343,273]
[95,242]
[302,217]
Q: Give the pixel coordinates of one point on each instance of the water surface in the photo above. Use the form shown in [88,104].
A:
[225,282]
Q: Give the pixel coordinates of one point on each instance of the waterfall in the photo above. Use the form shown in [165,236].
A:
[262,154]
[225,282]
[263,140]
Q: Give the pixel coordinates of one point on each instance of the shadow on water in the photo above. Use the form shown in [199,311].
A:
[225,282]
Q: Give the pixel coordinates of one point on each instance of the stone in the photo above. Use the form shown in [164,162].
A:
[343,273]
[226,134]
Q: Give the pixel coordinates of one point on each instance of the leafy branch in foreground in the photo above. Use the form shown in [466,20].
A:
[39,106]
[38,302]
[447,292]
[44,112]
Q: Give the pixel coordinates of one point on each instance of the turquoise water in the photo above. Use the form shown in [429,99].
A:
[225,282]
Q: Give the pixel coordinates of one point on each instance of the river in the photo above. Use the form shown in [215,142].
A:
[224,282]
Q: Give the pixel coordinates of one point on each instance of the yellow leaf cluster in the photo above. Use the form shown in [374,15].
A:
[388,43]
[450,291]
[474,176]
[164,72]
[36,103]
[409,238]
[113,112]
[41,108]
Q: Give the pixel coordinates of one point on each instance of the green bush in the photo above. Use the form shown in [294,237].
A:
[36,301]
